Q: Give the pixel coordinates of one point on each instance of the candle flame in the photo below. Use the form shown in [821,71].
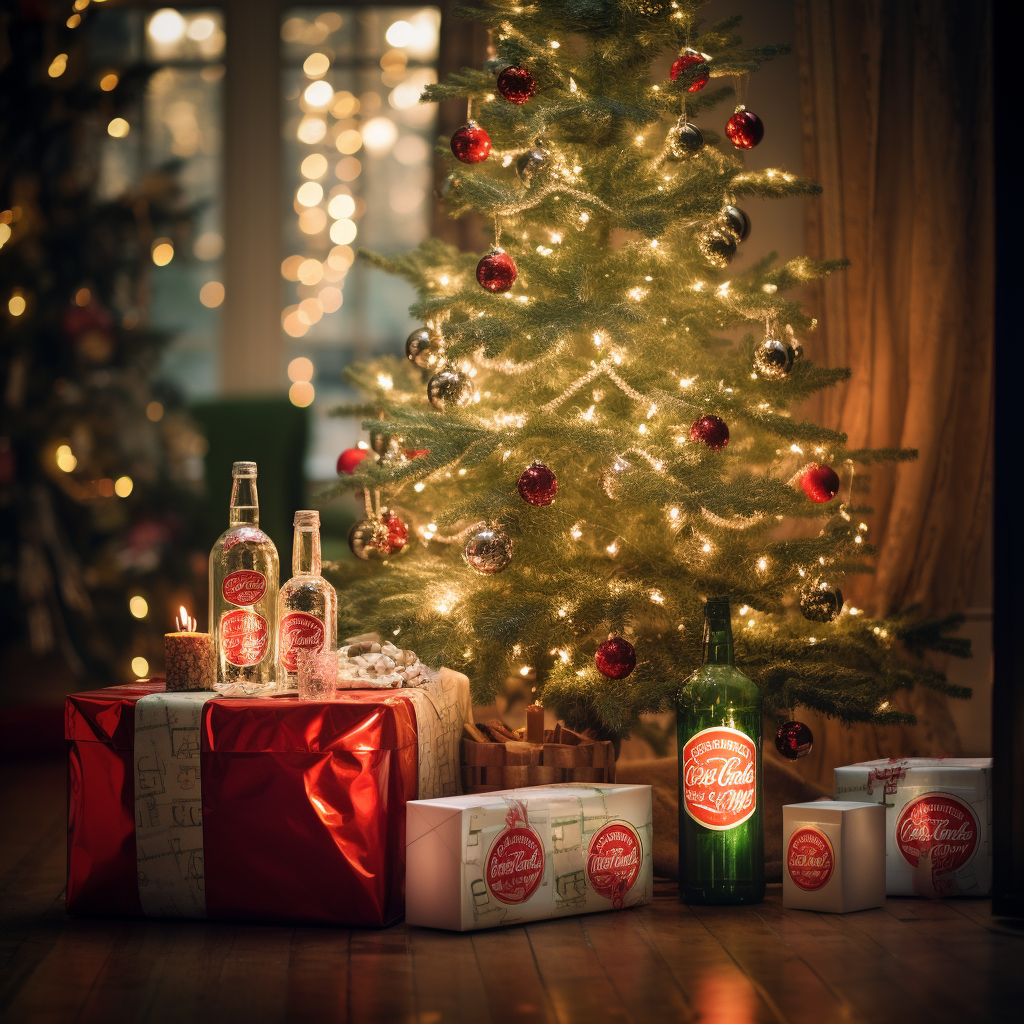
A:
[184,622]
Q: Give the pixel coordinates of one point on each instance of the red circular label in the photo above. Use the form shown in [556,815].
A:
[515,865]
[614,858]
[810,859]
[939,824]
[244,637]
[299,631]
[720,777]
[244,586]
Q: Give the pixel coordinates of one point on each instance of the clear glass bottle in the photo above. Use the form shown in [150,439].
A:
[721,839]
[244,578]
[307,607]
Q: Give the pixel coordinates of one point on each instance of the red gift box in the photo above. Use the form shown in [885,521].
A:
[303,805]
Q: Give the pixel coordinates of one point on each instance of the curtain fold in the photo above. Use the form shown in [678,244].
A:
[897,119]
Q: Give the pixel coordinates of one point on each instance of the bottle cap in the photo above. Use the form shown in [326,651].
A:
[307,517]
[243,469]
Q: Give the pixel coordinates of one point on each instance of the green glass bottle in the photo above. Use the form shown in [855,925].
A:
[721,839]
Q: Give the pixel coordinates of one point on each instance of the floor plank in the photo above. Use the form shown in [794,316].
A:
[943,961]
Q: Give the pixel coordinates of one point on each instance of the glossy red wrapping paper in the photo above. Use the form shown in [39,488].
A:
[303,805]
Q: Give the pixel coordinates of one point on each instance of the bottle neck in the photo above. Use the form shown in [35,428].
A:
[718,649]
[245,505]
[306,551]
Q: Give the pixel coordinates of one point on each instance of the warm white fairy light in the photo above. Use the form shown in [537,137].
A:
[723,289]
[642,429]
[584,216]
[385,381]
[572,85]
[525,670]
[639,140]
[858,539]
[600,338]
[576,532]
[796,449]
[762,564]
[562,612]
[652,411]
[769,289]
[556,237]
[812,639]
[612,549]
[589,415]
[654,243]
[687,382]
[673,514]
[697,286]
[706,547]
[884,706]
[462,472]
[854,611]
[656,597]
[418,486]
[638,294]
[744,608]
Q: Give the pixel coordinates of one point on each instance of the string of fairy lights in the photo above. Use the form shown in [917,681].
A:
[565,179]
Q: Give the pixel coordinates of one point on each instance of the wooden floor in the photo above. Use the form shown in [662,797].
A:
[914,961]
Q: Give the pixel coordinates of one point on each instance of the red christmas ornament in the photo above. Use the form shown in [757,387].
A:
[415,453]
[686,60]
[471,143]
[497,271]
[394,535]
[615,658]
[820,483]
[538,485]
[745,129]
[794,740]
[349,459]
[712,430]
[516,85]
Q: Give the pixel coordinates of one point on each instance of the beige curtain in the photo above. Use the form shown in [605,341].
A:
[897,115]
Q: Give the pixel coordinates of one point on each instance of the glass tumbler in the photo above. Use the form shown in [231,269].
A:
[318,674]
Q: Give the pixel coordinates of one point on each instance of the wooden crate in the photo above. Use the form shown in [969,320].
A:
[494,757]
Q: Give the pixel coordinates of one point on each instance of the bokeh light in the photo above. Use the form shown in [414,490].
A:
[163,252]
[166,26]
[155,412]
[140,667]
[118,128]
[65,458]
[139,607]
[208,246]
[347,168]
[379,135]
[318,94]
[316,65]
[123,486]
[310,271]
[311,130]
[341,206]
[349,141]
[211,294]
[109,82]
[343,231]
[312,221]
[16,305]
[57,65]
[330,298]
[309,193]
[314,166]
[301,393]
[300,369]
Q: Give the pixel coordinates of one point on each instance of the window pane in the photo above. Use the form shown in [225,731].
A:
[176,129]
[357,172]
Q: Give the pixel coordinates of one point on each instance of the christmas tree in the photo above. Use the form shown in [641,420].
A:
[583,442]
[97,519]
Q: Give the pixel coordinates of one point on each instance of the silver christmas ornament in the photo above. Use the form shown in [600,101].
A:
[422,348]
[733,220]
[821,602]
[449,389]
[363,539]
[488,549]
[530,163]
[685,139]
[774,359]
[717,247]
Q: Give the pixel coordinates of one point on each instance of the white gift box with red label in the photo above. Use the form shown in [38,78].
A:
[938,821]
[833,856]
[516,855]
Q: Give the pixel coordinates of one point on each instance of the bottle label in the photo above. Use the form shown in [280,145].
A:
[614,858]
[515,863]
[299,631]
[244,587]
[720,777]
[810,859]
[244,637]
[940,828]
[249,534]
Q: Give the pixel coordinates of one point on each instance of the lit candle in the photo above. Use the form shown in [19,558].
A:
[534,723]
[188,656]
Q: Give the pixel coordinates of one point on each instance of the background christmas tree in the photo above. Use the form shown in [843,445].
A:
[606,344]
[98,524]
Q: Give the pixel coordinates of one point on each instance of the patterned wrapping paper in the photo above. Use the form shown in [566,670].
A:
[302,803]
[508,857]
